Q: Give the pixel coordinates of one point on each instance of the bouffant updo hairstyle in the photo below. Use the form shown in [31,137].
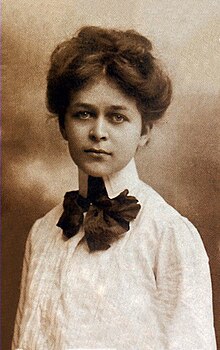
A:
[124,57]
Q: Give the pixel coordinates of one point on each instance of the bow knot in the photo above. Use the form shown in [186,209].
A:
[106,219]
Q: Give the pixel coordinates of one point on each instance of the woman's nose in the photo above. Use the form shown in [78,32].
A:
[98,130]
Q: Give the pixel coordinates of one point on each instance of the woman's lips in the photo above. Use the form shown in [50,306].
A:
[97,151]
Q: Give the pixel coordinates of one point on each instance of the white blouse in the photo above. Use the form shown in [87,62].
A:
[150,290]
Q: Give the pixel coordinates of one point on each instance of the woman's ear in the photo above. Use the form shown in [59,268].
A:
[144,138]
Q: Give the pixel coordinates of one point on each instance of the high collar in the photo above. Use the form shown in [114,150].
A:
[125,178]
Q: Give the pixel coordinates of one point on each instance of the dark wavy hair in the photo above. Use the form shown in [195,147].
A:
[123,56]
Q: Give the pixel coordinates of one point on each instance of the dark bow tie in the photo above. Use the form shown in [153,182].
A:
[106,219]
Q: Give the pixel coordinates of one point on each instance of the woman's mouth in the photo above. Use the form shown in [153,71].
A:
[97,151]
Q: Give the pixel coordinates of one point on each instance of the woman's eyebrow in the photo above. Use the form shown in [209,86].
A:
[91,106]
[83,105]
[118,107]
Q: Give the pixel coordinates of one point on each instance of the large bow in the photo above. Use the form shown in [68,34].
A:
[106,219]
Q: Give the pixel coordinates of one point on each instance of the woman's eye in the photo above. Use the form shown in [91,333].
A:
[118,118]
[82,115]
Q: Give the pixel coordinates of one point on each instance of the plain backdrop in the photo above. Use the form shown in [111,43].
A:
[182,160]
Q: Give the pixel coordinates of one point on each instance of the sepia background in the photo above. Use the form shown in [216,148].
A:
[182,161]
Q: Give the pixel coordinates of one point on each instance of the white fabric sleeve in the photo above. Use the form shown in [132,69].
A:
[23,287]
[184,289]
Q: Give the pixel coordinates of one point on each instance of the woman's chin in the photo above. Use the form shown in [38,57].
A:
[100,168]
[97,171]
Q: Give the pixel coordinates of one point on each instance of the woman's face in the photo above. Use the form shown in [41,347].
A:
[103,128]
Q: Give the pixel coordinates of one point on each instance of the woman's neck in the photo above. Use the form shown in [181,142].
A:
[125,178]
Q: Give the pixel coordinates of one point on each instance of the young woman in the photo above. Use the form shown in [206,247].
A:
[115,266]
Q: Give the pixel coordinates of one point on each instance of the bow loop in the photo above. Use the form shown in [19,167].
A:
[72,217]
[125,206]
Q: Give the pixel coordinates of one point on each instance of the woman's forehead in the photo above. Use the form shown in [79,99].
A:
[102,89]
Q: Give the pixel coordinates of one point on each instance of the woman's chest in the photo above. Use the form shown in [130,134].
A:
[122,276]
[74,293]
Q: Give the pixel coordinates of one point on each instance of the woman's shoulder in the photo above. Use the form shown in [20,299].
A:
[155,207]
[51,216]
[166,223]
[45,227]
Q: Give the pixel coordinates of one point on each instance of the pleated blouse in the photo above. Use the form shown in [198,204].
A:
[151,290]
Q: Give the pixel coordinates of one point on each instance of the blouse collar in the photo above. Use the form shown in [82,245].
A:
[125,178]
